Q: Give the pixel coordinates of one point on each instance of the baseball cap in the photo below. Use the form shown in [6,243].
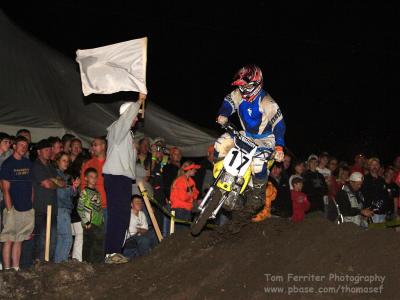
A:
[312,156]
[158,140]
[191,167]
[356,177]
[324,154]
[43,144]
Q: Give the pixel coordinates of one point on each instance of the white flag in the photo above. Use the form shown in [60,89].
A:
[114,68]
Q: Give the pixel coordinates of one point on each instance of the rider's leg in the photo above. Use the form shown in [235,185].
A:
[255,197]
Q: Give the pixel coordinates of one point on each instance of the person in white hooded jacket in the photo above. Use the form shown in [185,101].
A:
[118,172]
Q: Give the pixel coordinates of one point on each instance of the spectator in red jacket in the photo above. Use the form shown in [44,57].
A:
[300,201]
[184,192]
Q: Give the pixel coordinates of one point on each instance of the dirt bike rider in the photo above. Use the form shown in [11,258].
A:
[261,120]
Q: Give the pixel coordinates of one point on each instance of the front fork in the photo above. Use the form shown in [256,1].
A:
[210,191]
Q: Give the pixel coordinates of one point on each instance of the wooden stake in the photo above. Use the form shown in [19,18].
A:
[172,224]
[143,108]
[150,209]
[48,232]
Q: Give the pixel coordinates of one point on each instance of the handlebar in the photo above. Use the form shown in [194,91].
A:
[230,128]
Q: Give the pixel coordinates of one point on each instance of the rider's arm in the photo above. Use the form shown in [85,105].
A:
[228,106]
[275,117]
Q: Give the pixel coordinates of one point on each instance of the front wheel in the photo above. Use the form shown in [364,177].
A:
[201,220]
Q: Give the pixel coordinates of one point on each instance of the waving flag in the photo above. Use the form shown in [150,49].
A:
[114,68]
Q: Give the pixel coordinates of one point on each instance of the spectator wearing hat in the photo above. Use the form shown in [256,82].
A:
[315,186]
[374,191]
[184,192]
[351,201]
[119,170]
[45,184]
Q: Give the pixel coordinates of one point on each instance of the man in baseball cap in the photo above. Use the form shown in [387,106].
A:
[350,201]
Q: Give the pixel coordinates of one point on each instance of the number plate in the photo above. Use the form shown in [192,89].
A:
[237,162]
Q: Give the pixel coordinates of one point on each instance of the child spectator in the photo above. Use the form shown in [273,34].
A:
[300,201]
[138,241]
[16,176]
[90,211]
[99,148]
[299,168]
[65,205]
[184,193]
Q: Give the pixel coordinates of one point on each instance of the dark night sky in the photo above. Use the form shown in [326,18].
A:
[331,67]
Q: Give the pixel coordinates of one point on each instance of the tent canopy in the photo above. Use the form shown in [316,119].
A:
[40,90]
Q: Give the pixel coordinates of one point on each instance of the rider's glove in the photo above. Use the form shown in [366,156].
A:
[222,120]
[279,155]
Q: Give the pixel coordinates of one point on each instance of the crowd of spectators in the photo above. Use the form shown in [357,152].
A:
[362,192]
[62,173]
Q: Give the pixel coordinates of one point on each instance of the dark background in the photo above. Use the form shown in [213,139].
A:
[331,67]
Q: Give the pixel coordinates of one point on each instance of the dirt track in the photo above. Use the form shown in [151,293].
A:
[223,265]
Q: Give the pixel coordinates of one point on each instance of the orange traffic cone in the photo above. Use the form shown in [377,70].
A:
[270,195]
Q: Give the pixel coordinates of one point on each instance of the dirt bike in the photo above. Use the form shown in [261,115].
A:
[233,175]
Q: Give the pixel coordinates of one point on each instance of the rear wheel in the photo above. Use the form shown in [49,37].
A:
[201,220]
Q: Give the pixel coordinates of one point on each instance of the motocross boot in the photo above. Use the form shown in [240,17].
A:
[255,197]
[269,197]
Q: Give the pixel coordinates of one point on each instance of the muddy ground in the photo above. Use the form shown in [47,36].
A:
[254,263]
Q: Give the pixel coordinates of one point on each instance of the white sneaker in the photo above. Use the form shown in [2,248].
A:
[115,258]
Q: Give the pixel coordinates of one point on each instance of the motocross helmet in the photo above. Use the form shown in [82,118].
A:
[249,80]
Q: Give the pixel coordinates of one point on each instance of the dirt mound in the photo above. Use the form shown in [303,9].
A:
[314,259]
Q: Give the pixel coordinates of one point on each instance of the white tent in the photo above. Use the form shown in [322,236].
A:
[40,90]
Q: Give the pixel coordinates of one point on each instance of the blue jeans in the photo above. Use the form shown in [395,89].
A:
[166,222]
[184,215]
[119,192]
[379,218]
[64,235]
[137,245]
[105,218]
